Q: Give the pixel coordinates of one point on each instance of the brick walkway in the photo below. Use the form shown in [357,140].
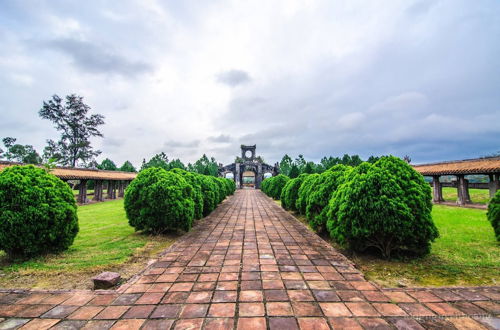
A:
[250,265]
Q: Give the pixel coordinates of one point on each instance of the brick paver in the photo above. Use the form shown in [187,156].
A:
[251,265]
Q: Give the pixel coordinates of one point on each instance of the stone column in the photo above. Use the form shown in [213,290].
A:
[82,192]
[237,176]
[437,190]
[494,184]
[463,190]
[258,176]
[111,190]
[121,188]
[98,195]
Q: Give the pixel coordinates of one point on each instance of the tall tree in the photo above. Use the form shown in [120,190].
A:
[300,162]
[286,165]
[107,165]
[309,168]
[76,127]
[294,172]
[206,166]
[20,153]
[127,167]
[158,160]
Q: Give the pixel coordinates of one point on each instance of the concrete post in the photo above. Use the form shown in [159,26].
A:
[258,176]
[121,188]
[82,192]
[463,190]
[437,190]
[98,195]
[237,176]
[111,190]
[494,184]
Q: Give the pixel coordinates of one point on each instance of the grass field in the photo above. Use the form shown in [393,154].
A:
[465,254]
[89,192]
[480,196]
[105,242]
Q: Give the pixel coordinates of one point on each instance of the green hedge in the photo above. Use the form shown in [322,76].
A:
[290,192]
[194,180]
[37,212]
[273,186]
[320,194]
[384,207]
[387,207]
[158,200]
[494,214]
[304,191]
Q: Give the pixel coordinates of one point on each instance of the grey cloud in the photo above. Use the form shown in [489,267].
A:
[233,77]
[173,144]
[222,138]
[90,57]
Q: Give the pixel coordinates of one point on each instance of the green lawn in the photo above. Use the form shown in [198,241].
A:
[105,242]
[480,196]
[89,192]
[466,253]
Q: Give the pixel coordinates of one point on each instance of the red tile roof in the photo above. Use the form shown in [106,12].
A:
[68,173]
[469,166]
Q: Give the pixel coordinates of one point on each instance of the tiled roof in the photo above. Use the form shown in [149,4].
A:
[83,173]
[469,166]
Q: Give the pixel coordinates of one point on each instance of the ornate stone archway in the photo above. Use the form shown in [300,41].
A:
[248,162]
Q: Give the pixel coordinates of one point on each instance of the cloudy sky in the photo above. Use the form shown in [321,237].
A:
[330,77]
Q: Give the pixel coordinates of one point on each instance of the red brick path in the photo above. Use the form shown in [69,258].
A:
[250,265]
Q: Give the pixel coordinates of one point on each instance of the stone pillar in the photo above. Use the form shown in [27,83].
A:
[121,188]
[237,176]
[111,190]
[82,192]
[98,194]
[494,184]
[258,176]
[463,190]
[437,190]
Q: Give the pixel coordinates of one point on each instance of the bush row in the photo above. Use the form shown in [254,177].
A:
[274,185]
[494,214]
[37,212]
[158,200]
[385,206]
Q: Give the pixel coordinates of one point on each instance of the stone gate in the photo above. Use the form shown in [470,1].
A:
[248,162]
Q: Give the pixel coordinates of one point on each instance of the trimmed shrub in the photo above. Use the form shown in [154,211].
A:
[290,192]
[222,188]
[37,212]
[320,194]
[276,186]
[264,186]
[231,185]
[209,192]
[157,200]
[386,206]
[218,192]
[494,214]
[303,193]
[194,180]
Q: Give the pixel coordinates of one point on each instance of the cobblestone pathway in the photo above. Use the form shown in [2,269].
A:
[250,265]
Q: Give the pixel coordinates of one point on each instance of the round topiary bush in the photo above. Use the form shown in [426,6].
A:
[319,197]
[386,206]
[209,192]
[194,181]
[264,186]
[158,200]
[494,214]
[37,212]
[290,192]
[231,186]
[276,185]
[303,193]
[223,191]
